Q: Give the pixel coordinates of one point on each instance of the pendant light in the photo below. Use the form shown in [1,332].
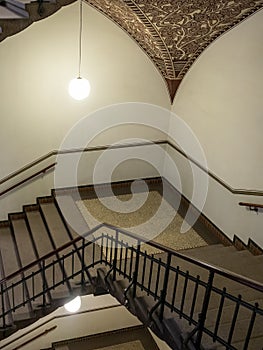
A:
[73,305]
[79,88]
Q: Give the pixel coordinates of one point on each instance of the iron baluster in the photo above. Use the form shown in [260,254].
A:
[93,254]
[111,249]
[136,269]
[184,293]
[194,299]
[115,255]
[165,285]
[106,247]
[33,285]
[219,313]
[143,269]
[23,291]
[101,247]
[53,275]
[125,259]
[131,263]
[202,316]
[63,269]
[83,262]
[43,284]
[150,276]
[157,279]
[13,296]
[121,250]
[3,306]
[234,319]
[251,325]
[72,263]
[175,287]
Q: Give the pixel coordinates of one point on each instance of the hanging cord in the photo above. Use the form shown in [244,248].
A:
[80,34]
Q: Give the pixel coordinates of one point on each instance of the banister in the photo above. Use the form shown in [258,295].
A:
[245,192]
[49,255]
[221,271]
[74,150]
[44,170]
[251,206]
[207,266]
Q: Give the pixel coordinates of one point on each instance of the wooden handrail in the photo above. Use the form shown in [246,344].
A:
[44,170]
[75,150]
[245,192]
[252,206]
[218,270]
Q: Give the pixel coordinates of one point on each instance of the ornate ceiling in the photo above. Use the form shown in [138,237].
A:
[175,32]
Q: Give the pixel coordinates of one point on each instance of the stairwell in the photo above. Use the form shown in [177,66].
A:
[165,291]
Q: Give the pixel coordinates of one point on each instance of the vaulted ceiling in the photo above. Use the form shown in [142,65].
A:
[174,33]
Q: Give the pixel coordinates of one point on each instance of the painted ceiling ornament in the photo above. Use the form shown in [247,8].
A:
[173,33]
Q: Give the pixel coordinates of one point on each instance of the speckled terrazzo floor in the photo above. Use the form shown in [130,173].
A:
[146,214]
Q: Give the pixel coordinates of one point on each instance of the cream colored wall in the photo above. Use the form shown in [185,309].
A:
[97,315]
[36,110]
[221,98]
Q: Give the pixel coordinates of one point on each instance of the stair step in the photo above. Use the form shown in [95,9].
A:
[23,241]
[39,232]
[55,224]
[58,235]
[17,9]
[10,265]
[255,343]
[8,251]
[7,13]
[9,316]
[239,333]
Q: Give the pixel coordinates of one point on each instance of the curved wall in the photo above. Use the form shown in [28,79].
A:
[221,99]
[36,67]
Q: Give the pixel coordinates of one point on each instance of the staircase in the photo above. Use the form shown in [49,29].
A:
[188,299]
[16,15]
[25,237]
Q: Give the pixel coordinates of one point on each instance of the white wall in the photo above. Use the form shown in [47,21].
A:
[221,100]
[97,315]
[36,110]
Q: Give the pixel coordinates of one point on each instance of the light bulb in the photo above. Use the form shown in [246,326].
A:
[79,88]
[73,305]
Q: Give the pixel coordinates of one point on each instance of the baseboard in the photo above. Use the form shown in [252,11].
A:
[122,187]
[251,246]
[153,183]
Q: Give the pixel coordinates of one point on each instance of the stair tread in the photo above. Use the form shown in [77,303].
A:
[24,242]
[8,251]
[55,224]
[6,13]
[39,232]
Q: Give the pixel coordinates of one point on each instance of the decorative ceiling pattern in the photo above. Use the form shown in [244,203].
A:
[174,33]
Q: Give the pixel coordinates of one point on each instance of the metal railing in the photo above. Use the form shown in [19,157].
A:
[168,279]
[178,150]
